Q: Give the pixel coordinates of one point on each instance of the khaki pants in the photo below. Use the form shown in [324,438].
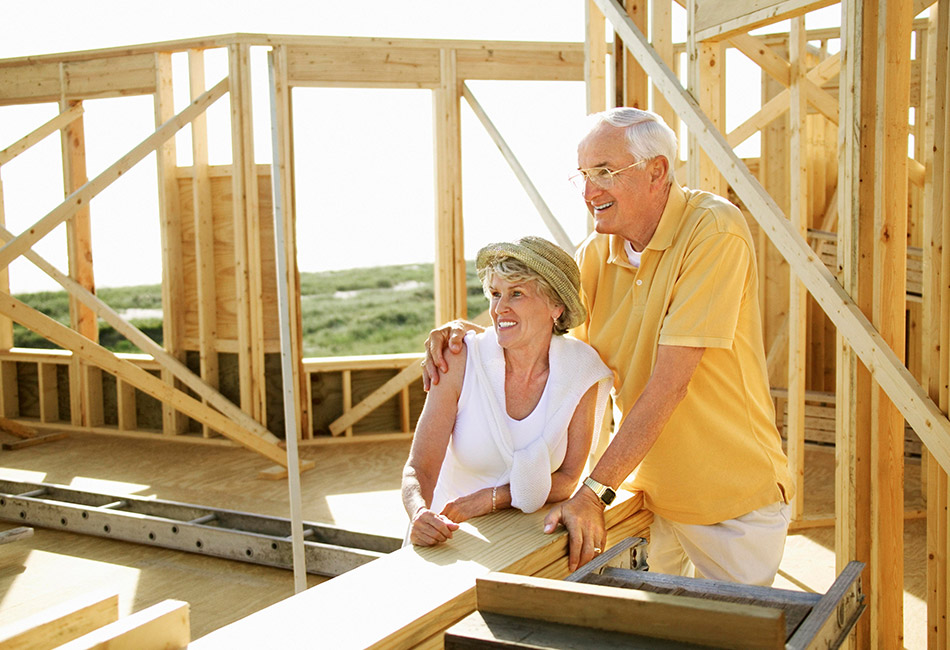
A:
[746,550]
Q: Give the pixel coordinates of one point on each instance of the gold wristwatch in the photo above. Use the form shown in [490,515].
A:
[604,492]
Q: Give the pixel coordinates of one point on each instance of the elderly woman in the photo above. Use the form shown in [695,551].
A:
[511,423]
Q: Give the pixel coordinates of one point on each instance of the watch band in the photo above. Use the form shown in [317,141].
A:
[604,492]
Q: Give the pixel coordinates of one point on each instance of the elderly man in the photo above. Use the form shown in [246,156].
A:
[669,279]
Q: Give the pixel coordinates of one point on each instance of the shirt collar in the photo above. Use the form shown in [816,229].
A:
[665,230]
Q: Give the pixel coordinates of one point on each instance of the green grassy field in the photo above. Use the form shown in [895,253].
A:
[377,310]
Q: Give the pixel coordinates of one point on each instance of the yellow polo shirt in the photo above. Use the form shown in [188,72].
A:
[720,455]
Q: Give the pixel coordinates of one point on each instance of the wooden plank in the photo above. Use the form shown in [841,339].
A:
[40,133]
[797,313]
[77,199]
[890,253]
[405,377]
[414,592]
[9,390]
[125,405]
[630,611]
[595,59]
[62,623]
[32,442]
[719,20]
[205,269]
[133,74]
[543,62]
[853,381]
[417,66]
[6,325]
[173,422]
[634,87]
[449,263]
[936,307]
[763,56]
[49,391]
[17,429]
[661,33]
[930,424]
[554,226]
[141,379]
[164,625]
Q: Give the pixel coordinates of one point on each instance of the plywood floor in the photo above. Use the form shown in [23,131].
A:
[354,485]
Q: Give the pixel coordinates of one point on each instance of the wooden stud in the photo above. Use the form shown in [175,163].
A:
[595,60]
[125,406]
[62,623]
[797,314]
[48,392]
[9,390]
[404,414]
[936,308]
[661,35]
[449,259]
[347,377]
[890,253]
[633,84]
[164,625]
[239,191]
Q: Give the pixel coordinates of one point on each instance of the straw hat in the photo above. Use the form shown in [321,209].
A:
[551,263]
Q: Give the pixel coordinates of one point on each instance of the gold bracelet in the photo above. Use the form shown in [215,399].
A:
[493,498]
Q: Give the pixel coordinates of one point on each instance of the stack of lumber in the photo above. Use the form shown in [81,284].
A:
[410,597]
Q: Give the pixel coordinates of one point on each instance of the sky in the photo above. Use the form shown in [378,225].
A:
[365,193]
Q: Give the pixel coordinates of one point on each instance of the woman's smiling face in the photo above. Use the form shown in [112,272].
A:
[520,312]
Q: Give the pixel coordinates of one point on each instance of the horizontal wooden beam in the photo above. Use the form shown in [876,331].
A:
[84,194]
[930,424]
[717,20]
[40,133]
[62,623]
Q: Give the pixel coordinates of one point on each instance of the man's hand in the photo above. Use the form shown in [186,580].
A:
[471,505]
[448,336]
[429,529]
[583,516]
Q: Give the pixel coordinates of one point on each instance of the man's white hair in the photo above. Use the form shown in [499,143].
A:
[648,136]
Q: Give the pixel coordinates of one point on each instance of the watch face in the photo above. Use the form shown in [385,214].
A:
[608,496]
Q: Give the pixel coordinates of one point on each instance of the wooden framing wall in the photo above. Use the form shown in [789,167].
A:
[879,202]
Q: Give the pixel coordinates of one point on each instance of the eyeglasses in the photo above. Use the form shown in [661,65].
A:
[599,176]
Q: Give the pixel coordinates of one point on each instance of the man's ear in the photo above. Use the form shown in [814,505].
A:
[659,169]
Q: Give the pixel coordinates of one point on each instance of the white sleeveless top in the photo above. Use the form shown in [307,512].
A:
[488,448]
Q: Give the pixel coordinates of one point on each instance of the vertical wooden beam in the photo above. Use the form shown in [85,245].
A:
[661,37]
[404,410]
[634,84]
[125,405]
[173,305]
[705,76]
[207,302]
[92,396]
[49,392]
[9,390]
[895,18]
[856,162]
[244,200]
[450,294]
[79,247]
[595,61]
[936,306]
[347,380]
[798,214]
[6,325]
[283,126]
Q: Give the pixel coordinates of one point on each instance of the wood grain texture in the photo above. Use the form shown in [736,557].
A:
[414,592]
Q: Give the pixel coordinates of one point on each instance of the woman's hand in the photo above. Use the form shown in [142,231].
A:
[448,336]
[471,505]
[429,528]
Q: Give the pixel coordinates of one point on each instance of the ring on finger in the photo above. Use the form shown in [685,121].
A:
[597,551]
